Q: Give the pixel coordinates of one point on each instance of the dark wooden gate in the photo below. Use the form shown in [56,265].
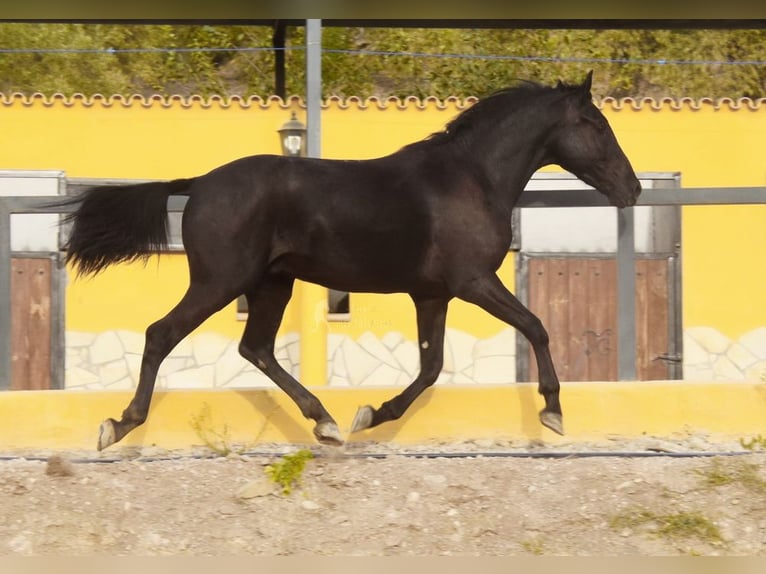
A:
[576,299]
[31,323]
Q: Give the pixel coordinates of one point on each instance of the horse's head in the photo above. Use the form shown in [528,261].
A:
[585,145]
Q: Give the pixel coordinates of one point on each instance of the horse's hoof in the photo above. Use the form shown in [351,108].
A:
[363,419]
[328,433]
[553,421]
[107,435]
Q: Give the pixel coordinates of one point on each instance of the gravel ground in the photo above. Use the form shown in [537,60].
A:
[686,496]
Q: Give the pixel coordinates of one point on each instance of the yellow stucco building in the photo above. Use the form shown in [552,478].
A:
[711,144]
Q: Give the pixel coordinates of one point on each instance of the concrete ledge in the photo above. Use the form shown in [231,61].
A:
[592,412]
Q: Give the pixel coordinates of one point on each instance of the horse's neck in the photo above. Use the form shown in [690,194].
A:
[510,161]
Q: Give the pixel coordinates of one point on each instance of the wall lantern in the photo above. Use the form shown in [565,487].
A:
[292,136]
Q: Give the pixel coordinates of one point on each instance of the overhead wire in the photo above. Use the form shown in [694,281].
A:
[394,53]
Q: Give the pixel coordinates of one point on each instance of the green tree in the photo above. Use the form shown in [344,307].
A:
[383,62]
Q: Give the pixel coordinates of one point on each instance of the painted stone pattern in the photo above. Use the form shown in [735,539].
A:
[709,355]
[112,359]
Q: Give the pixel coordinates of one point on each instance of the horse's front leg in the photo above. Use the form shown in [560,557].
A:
[431,316]
[490,294]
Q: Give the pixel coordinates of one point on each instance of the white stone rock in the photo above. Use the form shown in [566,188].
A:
[173,364]
[725,370]
[458,350]
[106,348]
[77,377]
[207,348]
[293,354]
[403,380]
[462,379]
[281,353]
[435,480]
[408,357]
[503,344]
[359,363]
[444,378]
[392,340]
[710,339]
[132,342]
[755,342]
[494,370]
[75,356]
[334,342]
[260,486]
[370,343]
[336,381]
[79,339]
[112,372]
[123,384]
[229,364]
[337,364]
[741,357]
[382,376]
[698,373]
[694,354]
[183,348]
[287,338]
[197,378]
[133,363]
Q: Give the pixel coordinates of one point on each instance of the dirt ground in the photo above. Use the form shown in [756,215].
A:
[484,498]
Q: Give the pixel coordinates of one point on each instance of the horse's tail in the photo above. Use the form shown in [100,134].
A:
[116,224]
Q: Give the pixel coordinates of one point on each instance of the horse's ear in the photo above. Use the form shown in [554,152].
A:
[559,85]
[586,85]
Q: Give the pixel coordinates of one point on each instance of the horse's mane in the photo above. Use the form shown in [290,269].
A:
[491,109]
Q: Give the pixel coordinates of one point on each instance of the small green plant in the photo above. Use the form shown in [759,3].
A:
[533,546]
[219,441]
[741,472]
[288,472]
[671,525]
[755,443]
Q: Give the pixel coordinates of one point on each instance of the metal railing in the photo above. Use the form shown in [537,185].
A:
[626,320]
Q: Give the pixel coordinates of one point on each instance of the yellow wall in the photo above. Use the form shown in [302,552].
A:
[723,275]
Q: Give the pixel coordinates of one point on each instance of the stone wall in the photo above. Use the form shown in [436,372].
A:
[709,355]
[112,360]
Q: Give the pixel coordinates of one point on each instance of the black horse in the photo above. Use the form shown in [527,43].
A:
[432,220]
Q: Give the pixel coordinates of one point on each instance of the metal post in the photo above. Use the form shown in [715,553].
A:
[5,296]
[313,298]
[313,87]
[626,296]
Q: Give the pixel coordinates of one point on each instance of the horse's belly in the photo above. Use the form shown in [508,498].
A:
[372,274]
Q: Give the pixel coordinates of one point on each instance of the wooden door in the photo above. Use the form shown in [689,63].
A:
[576,299]
[31,323]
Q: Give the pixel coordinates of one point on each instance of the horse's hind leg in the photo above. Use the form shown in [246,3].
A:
[431,317]
[197,304]
[490,294]
[266,305]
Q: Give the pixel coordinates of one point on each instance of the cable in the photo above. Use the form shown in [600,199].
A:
[394,53]
[426,455]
